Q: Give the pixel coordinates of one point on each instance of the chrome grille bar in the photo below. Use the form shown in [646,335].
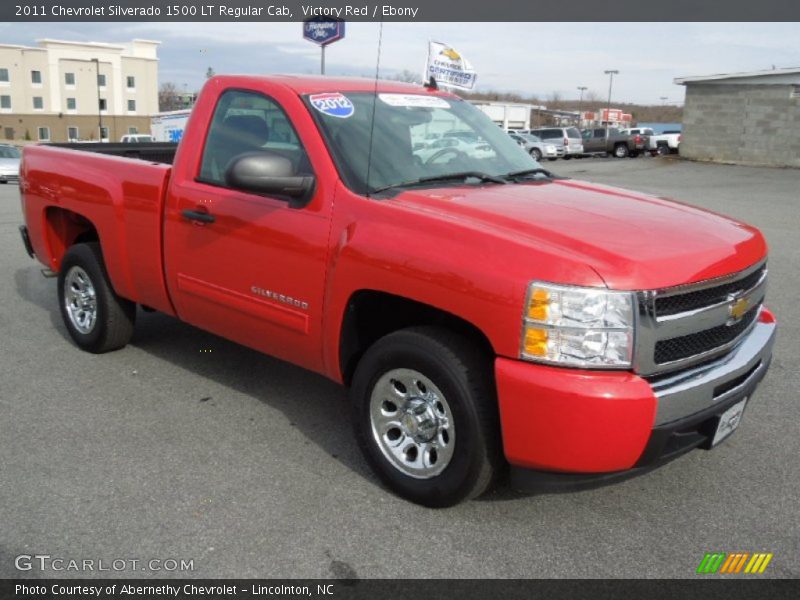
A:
[653,328]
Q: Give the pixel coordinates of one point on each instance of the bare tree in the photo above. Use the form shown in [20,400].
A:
[555,100]
[168,97]
[406,76]
[210,73]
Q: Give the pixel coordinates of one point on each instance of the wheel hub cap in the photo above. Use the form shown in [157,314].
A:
[412,423]
[419,421]
[80,300]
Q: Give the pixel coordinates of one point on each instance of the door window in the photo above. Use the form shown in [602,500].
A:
[248,122]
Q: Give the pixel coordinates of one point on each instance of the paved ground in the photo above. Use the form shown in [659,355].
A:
[247,466]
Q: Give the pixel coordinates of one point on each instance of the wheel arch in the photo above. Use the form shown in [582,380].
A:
[62,229]
[372,314]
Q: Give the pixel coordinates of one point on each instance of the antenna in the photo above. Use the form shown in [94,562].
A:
[374,103]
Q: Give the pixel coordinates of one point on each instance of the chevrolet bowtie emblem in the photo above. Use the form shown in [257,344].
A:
[738,307]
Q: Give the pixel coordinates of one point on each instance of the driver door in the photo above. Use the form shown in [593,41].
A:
[243,265]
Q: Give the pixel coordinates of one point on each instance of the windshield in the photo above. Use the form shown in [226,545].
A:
[414,137]
[8,152]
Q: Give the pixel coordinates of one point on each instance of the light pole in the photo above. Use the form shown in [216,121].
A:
[582,88]
[663,100]
[610,73]
[96,61]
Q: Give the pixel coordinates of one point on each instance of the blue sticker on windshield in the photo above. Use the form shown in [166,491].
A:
[332,104]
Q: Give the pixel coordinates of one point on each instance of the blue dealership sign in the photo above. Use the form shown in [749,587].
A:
[323,30]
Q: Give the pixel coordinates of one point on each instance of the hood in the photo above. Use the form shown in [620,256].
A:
[632,240]
[8,164]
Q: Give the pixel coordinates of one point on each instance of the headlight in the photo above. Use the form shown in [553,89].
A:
[550,148]
[577,326]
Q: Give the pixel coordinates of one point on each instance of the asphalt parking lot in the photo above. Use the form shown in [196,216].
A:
[186,446]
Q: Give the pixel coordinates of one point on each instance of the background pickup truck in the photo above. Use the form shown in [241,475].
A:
[663,143]
[613,141]
[482,311]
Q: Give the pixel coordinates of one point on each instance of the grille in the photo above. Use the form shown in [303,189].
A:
[672,305]
[693,344]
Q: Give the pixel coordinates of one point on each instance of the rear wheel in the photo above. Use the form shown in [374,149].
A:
[425,415]
[663,149]
[96,318]
[620,151]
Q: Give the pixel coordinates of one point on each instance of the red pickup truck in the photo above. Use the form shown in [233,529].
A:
[483,312]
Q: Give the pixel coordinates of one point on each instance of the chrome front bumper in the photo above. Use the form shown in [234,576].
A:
[698,388]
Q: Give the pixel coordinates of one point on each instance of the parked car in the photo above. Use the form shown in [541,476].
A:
[567,137]
[600,140]
[448,146]
[657,144]
[466,136]
[535,146]
[9,163]
[482,311]
[136,138]
[668,142]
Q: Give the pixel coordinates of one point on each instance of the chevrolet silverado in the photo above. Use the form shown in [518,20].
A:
[486,315]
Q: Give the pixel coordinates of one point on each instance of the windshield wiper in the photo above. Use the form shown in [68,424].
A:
[536,171]
[463,175]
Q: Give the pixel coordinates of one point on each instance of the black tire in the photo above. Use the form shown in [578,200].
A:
[567,157]
[620,151]
[552,159]
[536,154]
[663,149]
[115,316]
[464,375]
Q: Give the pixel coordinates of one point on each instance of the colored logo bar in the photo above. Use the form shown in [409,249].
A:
[736,562]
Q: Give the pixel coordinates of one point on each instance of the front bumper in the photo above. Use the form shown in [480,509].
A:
[565,427]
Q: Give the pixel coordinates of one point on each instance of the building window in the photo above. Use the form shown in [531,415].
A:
[101,80]
[131,105]
[103,104]
[36,77]
[72,104]
[9,131]
[795,91]
[103,133]
[69,78]
[72,133]
[38,103]
[4,75]
[131,82]
[44,134]
[133,130]
[5,102]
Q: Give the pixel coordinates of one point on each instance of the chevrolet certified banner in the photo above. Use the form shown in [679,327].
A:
[449,67]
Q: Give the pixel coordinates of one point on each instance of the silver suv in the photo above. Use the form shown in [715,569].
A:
[568,138]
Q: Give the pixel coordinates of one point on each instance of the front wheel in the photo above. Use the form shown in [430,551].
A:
[425,415]
[96,318]
[536,154]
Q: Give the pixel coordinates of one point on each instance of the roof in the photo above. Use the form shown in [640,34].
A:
[790,74]
[46,41]
[313,84]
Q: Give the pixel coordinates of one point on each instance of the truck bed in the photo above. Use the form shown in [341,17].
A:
[115,190]
[160,152]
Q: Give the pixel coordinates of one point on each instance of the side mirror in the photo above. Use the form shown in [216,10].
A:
[269,174]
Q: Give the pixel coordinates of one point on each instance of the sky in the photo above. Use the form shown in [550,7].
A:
[527,58]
